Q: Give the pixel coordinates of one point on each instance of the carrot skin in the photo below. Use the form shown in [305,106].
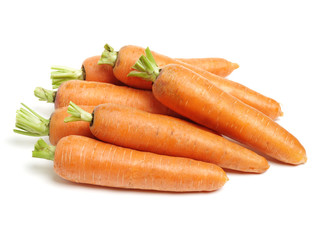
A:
[85,160]
[59,129]
[94,93]
[122,126]
[196,98]
[218,66]
[98,73]
[128,55]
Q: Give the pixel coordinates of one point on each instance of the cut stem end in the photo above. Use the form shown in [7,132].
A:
[43,150]
[108,56]
[77,114]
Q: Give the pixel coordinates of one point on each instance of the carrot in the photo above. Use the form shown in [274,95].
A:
[128,55]
[122,126]
[90,71]
[196,98]
[30,123]
[218,66]
[93,94]
[85,160]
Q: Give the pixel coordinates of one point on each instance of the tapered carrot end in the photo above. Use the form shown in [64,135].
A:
[303,160]
[235,65]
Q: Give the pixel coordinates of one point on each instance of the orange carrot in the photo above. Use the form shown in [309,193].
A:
[93,94]
[90,71]
[218,66]
[85,160]
[196,98]
[30,123]
[128,55]
[122,126]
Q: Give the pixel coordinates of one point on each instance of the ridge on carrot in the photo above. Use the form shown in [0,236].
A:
[30,123]
[205,103]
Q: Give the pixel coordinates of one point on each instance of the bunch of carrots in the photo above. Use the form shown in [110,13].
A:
[138,119]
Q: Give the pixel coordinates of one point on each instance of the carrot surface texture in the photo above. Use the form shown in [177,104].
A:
[122,126]
[85,160]
[94,93]
[29,123]
[198,99]
[90,71]
[123,61]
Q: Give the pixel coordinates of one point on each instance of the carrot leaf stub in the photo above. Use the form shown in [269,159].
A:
[43,150]
[146,67]
[30,123]
[45,94]
[63,74]
[108,56]
[77,114]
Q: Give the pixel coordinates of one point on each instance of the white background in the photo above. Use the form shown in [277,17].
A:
[276,44]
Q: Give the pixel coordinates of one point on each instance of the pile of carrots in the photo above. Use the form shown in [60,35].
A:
[141,120]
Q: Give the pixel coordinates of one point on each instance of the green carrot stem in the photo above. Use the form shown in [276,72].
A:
[45,94]
[30,123]
[77,114]
[43,150]
[63,74]
[108,56]
[146,67]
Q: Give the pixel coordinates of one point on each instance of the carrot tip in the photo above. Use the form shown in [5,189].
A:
[235,66]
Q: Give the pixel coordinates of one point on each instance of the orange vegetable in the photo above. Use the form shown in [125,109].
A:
[90,71]
[128,55]
[122,126]
[30,123]
[218,66]
[196,98]
[94,93]
[85,160]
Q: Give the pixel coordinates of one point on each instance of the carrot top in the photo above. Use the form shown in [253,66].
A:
[31,123]
[77,114]
[146,67]
[63,74]
[43,150]
[108,56]
[45,94]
